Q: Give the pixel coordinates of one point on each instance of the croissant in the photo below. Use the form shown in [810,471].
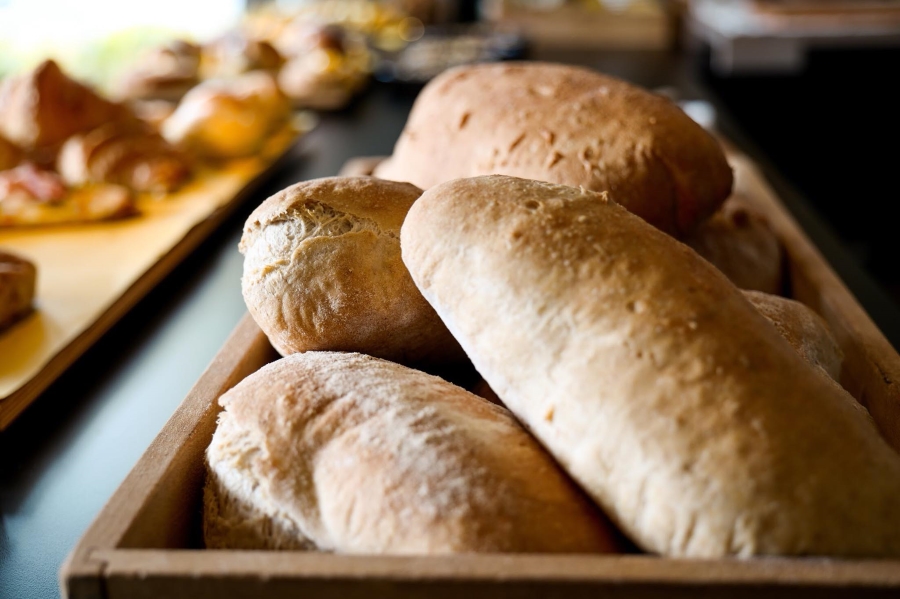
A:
[235,53]
[130,154]
[42,108]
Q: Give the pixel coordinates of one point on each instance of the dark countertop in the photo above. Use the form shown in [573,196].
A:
[69,451]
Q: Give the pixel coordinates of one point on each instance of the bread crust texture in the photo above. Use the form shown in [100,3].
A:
[348,453]
[322,271]
[649,376]
[568,125]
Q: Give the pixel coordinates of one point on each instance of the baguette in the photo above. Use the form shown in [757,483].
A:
[650,377]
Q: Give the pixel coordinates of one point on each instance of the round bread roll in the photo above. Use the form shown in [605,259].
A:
[17,283]
[739,241]
[322,271]
[650,377]
[566,125]
[803,329]
[349,453]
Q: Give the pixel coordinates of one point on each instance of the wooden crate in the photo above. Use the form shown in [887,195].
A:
[146,540]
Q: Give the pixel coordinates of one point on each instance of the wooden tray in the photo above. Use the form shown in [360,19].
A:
[90,275]
[146,540]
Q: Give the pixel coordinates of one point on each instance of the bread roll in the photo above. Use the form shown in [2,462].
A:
[650,377]
[17,283]
[565,125]
[803,329]
[739,241]
[322,271]
[228,118]
[348,453]
[361,166]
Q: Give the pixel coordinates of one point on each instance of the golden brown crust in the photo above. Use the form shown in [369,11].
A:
[228,118]
[348,453]
[322,271]
[739,241]
[650,377]
[803,329]
[18,278]
[164,73]
[564,125]
[130,154]
[44,107]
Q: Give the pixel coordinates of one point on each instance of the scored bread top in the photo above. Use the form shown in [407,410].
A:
[650,377]
[567,125]
[349,453]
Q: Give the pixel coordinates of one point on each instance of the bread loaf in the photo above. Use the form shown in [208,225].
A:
[348,453]
[17,284]
[649,376]
[803,329]
[322,271]
[565,125]
[739,241]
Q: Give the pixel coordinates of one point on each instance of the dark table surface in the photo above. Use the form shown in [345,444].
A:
[68,452]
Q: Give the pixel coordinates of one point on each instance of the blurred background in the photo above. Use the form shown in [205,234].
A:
[810,82]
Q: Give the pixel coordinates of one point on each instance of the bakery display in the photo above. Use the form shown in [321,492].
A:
[740,242]
[567,125]
[322,271]
[649,376]
[132,154]
[351,454]
[228,118]
[803,329]
[31,196]
[18,279]
[164,73]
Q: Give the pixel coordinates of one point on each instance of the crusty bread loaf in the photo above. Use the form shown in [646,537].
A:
[349,453]
[803,329]
[322,271]
[650,377]
[17,283]
[567,125]
[739,241]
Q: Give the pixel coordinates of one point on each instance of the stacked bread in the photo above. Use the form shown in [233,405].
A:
[701,420]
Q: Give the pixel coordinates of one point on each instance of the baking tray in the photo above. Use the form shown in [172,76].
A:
[90,275]
[146,540]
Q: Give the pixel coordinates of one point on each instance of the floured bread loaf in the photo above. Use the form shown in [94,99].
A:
[739,241]
[349,453]
[567,125]
[322,271]
[803,329]
[650,377]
